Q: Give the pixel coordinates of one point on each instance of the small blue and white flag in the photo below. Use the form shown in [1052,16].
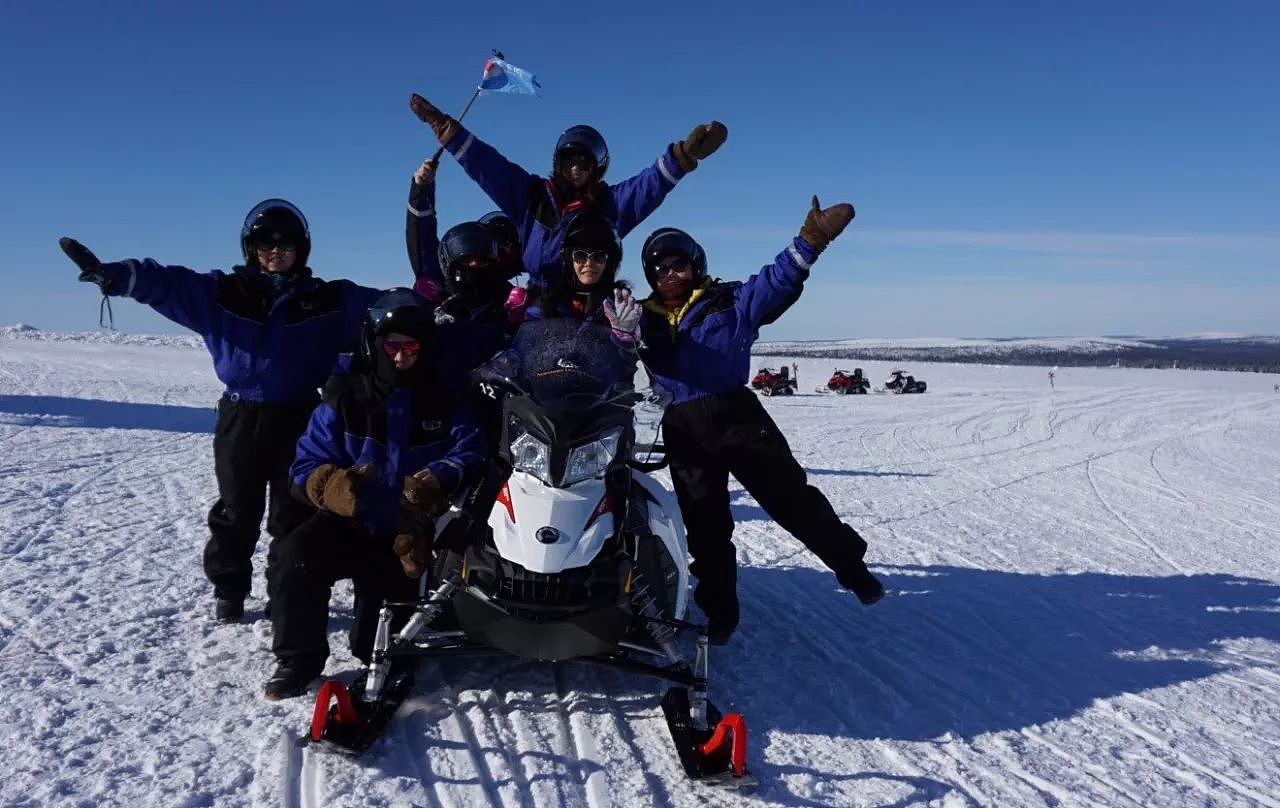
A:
[503,77]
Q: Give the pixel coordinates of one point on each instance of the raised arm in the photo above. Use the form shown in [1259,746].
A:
[506,183]
[421,236]
[765,296]
[637,197]
[184,296]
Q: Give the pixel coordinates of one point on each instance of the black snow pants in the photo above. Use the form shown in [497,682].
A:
[708,439]
[308,561]
[253,446]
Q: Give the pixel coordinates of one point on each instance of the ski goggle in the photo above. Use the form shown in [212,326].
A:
[265,246]
[594,256]
[672,266]
[574,158]
[408,347]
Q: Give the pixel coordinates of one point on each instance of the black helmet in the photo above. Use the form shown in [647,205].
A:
[669,241]
[584,139]
[469,240]
[508,238]
[400,311]
[275,220]
[504,230]
[591,231]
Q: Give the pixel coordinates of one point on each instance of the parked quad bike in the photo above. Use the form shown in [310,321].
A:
[844,383]
[583,557]
[900,382]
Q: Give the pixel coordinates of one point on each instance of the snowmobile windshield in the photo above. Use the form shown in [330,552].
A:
[566,364]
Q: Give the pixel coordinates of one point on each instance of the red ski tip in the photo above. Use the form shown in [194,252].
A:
[731,730]
[345,714]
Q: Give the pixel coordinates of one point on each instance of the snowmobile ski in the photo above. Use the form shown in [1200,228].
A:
[344,722]
[715,756]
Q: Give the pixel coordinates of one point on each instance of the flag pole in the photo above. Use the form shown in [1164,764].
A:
[435,157]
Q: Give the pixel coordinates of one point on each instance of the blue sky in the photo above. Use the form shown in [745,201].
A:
[1019,168]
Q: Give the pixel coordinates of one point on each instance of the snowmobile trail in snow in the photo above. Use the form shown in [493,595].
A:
[1083,609]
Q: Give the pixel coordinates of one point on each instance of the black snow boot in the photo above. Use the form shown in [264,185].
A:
[721,611]
[228,610]
[291,678]
[862,583]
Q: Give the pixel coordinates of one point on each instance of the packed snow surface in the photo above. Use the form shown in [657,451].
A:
[1084,609]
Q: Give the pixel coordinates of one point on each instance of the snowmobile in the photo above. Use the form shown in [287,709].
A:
[582,557]
[761,375]
[781,382]
[842,382]
[900,382]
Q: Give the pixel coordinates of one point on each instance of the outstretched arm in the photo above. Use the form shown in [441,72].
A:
[182,295]
[766,295]
[639,196]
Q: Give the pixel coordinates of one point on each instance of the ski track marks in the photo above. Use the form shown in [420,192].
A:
[1029,688]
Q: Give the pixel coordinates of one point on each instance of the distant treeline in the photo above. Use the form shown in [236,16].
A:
[1260,356]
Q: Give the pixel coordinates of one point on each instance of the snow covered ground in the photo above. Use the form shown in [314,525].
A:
[1084,609]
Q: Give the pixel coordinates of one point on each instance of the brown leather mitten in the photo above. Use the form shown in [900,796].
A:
[822,226]
[316,482]
[444,126]
[702,142]
[414,550]
[338,490]
[422,490]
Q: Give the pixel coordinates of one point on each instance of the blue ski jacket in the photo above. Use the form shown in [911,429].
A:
[401,430]
[266,346]
[705,348]
[539,214]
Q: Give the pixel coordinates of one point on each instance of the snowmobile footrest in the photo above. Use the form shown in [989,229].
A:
[715,756]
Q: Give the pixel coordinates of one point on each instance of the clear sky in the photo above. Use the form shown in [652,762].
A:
[1019,168]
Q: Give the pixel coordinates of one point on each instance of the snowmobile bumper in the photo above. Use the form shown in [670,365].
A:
[587,633]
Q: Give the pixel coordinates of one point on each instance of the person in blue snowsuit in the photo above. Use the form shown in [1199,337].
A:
[697,334]
[274,331]
[539,206]
[383,455]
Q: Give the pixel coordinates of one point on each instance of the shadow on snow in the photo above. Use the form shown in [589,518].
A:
[969,651]
[91,413]
[950,652]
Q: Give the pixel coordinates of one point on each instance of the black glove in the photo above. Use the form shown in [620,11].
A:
[91,269]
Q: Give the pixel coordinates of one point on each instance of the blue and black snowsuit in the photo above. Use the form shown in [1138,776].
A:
[540,210]
[715,426]
[400,427]
[272,348]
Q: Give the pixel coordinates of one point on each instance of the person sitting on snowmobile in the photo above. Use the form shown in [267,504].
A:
[539,206]
[715,426]
[589,288]
[273,330]
[383,454]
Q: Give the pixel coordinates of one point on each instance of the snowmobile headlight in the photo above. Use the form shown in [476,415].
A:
[530,455]
[592,459]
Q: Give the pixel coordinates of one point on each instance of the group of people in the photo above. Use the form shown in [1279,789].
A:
[349,418]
